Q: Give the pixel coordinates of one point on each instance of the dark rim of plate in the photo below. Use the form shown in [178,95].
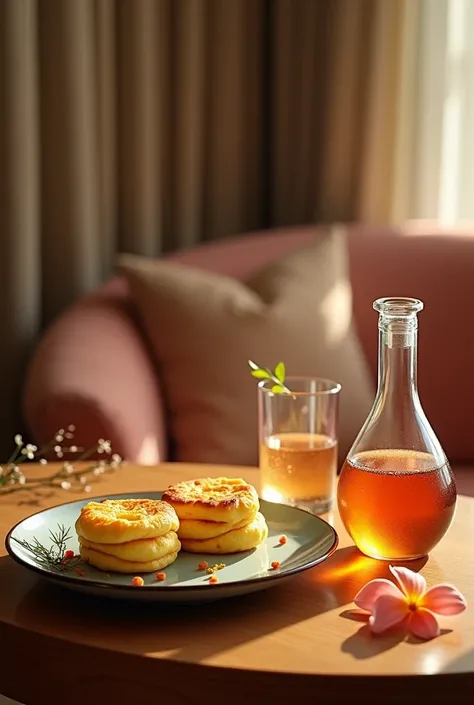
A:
[64,577]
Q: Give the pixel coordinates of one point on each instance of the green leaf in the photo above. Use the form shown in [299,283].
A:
[277,377]
[261,374]
[280,372]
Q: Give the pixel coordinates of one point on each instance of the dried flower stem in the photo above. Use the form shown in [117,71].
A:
[12,478]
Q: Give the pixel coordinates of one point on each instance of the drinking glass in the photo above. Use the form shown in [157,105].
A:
[298,442]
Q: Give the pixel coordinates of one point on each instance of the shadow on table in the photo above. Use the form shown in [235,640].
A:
[196,632]
[363,644]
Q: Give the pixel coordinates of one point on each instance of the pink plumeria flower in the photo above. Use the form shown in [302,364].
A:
[389,604]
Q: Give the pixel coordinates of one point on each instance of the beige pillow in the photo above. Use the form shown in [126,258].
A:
[204,327]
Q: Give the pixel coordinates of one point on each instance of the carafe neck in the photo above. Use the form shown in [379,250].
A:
[398,336]
[397,373]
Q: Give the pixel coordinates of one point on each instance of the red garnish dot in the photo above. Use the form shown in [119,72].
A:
[80,572]
[68,555]
[213,579]
[160,576]
[275,565]
[137,581]
[282,539]
[203,565]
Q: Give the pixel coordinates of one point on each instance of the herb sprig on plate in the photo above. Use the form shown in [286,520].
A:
[54,557]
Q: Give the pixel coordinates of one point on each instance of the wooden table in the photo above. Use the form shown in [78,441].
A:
[294,643]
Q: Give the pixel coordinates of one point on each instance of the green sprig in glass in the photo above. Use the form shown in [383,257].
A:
[277,376]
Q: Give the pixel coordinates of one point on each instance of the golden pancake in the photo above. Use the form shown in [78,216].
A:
[221,499]
[123,520]
[198,529]
[140,551]
[233,541]
[103,561]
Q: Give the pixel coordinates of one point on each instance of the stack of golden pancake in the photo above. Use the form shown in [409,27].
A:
[217,515]
[128,535]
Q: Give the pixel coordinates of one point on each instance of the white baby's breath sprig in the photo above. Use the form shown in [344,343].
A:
[104,446]
[67,477]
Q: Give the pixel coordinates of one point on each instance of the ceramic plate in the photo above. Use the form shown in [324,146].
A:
[310,540]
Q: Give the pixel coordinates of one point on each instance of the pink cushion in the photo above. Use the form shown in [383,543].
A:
[92,369]
[464,475]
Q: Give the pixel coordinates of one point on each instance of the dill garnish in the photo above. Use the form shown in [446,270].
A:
[52,557]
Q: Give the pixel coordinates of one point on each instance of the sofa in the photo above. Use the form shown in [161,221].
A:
[94,369]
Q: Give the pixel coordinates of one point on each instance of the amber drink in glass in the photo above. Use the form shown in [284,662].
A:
[396,492]
[298,443]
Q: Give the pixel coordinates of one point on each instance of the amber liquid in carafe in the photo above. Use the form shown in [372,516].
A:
[396,502]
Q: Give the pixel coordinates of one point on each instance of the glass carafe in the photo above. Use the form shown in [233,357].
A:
[396,492]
